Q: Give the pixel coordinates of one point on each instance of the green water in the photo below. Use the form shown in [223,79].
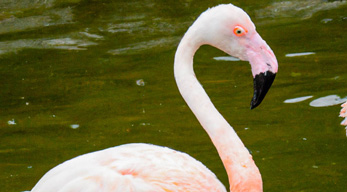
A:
[79,76]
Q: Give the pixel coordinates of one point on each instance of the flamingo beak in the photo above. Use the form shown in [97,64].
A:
[262,83]
[264,68]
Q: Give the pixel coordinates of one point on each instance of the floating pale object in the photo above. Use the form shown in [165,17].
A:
[299,54]
[11,122]
[298,99]
[74,126]
[226,58]
[326,101]
[140,82]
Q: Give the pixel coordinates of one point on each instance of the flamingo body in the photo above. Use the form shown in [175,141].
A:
[149,168]
[131,167]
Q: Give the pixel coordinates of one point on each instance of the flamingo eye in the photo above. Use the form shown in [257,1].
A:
[239,31]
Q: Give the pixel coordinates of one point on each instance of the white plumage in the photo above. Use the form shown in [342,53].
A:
[131,167]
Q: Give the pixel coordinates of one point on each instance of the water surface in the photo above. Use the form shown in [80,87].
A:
[79,76]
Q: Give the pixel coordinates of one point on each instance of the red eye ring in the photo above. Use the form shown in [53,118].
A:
[239,31]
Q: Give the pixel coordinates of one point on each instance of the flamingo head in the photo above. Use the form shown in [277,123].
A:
[231,30]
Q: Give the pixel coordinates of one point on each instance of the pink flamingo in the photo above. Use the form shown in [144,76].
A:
[149,168]
[343,113]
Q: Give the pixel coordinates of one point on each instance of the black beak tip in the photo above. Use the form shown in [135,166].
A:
[262,83]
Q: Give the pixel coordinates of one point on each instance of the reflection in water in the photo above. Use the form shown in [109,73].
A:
[142,47]
[93,36]
[297,8]
[60,43]
[52,17]
[27,16]
[128,27]
[14,6]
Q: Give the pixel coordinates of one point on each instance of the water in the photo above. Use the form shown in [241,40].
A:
[80,76]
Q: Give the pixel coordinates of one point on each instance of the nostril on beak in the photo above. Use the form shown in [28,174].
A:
[270,67]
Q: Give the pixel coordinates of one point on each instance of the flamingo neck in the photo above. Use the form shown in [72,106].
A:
[242,172]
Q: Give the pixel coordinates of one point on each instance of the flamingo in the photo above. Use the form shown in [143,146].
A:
[343,113]
[149,168]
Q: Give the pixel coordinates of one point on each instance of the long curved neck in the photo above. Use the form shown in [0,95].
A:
[242,172]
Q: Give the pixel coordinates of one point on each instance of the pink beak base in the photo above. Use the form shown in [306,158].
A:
[264,68]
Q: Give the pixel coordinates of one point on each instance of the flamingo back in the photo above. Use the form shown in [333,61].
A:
[131,167]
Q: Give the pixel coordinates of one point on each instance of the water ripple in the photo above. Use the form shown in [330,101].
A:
[58,43]
[297,8]
[142,47]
